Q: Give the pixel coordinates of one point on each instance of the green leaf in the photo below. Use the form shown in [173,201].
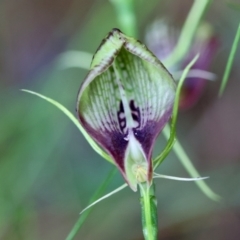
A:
[230,62]
[76,123]
[104,197]
[187,34]
[71,59]
[126,16]
[156,175]
[159,159]
[82,218]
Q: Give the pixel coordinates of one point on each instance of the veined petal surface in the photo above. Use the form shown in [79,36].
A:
[124,102]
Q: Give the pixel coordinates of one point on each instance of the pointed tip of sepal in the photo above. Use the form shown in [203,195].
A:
[133,187]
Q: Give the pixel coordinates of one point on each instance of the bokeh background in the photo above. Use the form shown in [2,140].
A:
[48,172]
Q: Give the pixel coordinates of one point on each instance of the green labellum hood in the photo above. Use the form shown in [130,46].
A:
[124,102]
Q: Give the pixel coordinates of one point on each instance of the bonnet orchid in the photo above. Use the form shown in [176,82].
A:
[124,102]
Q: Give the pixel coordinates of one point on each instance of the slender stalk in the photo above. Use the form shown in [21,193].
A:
[84,216]
[126,16]
[230,62]
[159,159]
[92,143]
[187,34]
[149,211]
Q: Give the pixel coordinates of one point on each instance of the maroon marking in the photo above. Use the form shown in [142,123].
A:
[121,120]
[135,113]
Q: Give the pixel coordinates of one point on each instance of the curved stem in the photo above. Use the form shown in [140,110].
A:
[230,62]
[187,34]
[158,160]
[126,16]
[149,211]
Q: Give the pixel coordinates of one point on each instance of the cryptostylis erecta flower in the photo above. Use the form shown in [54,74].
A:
[124,102]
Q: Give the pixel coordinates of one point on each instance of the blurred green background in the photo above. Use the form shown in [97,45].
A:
[48,171]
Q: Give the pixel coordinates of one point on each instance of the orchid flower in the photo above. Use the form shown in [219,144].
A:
[127,98]
[162,38]
[124,103]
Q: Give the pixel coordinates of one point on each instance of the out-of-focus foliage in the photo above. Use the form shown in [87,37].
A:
[48,171]
[230,61]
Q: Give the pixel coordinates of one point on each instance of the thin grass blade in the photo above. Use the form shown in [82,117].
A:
[189,28]
[82,218]
[230,62]
[159,159]
[74,59]
[105,196]
[156,175]
[76,123]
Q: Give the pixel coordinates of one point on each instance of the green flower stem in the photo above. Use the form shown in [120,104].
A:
[187,34]
[149,211]
[159,159]
[230,62]
[92,143]
[84,215]
[126,16]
